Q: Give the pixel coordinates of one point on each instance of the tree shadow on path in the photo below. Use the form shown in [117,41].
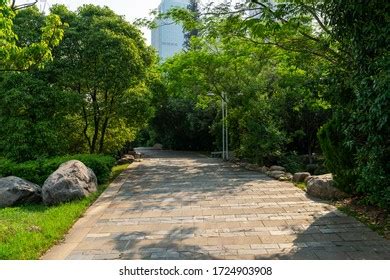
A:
[334,236]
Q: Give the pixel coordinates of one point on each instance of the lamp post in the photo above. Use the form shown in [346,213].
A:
[225,126]
[225,135]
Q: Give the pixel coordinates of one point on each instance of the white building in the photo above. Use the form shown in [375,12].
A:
[168,37]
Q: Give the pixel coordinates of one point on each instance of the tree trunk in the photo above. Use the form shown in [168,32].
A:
[103,134]
[96,121]
[106,120]
[86,123]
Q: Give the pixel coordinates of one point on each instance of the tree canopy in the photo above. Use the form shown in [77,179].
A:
[93,96]
[292,69]
[19,56]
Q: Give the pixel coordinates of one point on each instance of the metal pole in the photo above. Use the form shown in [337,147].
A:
[226,128]
[223,128]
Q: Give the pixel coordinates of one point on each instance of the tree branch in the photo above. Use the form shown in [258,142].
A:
[316,17]
[22,6]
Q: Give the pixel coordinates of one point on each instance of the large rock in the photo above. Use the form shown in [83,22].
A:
[252,167]
[277,168]
[300,177]
[71,181]
[135,154]
[17,191]
[157,146]
[126,159]
[322,187]
[276,174]
[286,177]
[264,169]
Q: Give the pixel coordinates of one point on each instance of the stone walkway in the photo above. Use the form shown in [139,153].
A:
[184,206]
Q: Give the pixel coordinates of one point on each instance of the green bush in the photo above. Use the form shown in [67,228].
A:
[37,171]
[262,139]
[292,162]
[338,157]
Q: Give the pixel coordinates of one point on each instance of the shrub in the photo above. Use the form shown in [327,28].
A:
[292,162]
[262,139]
[37,171]
[338,157]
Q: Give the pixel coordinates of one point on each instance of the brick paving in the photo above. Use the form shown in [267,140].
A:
[176,205]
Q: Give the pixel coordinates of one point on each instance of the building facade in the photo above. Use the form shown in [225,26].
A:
[168,37]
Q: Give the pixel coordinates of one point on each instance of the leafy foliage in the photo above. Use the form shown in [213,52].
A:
[35,117]
[180,124]
[362,96]
[37,171]
[105,60]
[275,101]
[16,55]
[93,97]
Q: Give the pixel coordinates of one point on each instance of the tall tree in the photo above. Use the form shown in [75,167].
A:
[104,59]
[356,142]
[13,56]
[193,7]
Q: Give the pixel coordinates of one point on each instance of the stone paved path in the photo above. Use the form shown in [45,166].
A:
[184,206]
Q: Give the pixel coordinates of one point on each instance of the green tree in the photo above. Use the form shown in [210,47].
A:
[104,59]
[19,56]
[274,98]
[36,119]
[360,126]
[193,7]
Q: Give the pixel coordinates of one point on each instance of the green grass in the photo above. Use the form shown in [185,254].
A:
[26,232]
[116,170]
[301,186]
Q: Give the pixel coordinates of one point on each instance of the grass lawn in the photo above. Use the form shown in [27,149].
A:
[26,232]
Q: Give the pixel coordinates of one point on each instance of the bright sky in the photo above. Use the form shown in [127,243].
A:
[131,9]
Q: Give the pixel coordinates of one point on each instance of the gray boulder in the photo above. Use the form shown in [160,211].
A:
[72,180]
[126,159]
[16,191]
[277,168]
[264,169]
[276,174]
[286,177]
[322,187]
[158,146]
[251,166]
[135,154]
[300,176]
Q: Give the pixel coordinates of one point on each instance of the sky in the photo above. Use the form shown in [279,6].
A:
[131,9]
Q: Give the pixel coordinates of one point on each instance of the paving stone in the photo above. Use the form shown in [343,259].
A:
[179,205]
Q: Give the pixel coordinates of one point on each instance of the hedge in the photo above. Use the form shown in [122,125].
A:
[37,171]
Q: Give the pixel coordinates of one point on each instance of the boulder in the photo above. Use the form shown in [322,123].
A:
[275,174]
[322,187]
[264,169]
[286,177]
[158,146]
[135,154]
[126,159]
[277,168]
[300,177]
[16,191]
[251,166]
[72,180]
